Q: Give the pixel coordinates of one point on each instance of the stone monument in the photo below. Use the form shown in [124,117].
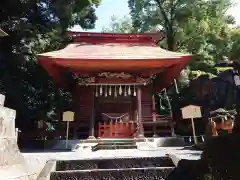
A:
[12,163]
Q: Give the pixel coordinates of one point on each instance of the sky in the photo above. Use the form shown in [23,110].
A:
[119,8]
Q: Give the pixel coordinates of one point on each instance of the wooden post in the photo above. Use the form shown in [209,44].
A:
[92,120]
[99,130]
[154,116]
[194,133]
[68,117]
[139,106]
[110,130]
[67,134]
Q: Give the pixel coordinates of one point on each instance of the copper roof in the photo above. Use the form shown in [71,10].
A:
[99,52]
[112,51]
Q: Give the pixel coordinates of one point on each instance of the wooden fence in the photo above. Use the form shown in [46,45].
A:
[117,129]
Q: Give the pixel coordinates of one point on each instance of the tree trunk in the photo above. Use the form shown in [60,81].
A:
[170,39]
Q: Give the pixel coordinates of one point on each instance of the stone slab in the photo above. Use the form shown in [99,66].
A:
[114,174]
[114,163]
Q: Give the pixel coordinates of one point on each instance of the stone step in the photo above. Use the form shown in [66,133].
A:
[113,147]
[153,173]
[116,143]
[134,162]
[110,140]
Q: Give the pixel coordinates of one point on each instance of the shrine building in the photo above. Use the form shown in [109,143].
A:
[112,78]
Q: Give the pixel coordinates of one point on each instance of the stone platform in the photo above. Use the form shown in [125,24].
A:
[112,174]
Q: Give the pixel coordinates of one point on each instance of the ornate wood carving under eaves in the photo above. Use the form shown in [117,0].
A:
[87,80]
[84,80]
[121,75]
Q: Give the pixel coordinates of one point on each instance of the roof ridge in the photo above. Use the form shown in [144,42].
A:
[119,38]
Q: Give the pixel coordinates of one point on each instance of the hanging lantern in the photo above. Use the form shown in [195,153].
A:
[134,89]
[120,90]
[101,90]
[202,139]
[110,90]
[129,90]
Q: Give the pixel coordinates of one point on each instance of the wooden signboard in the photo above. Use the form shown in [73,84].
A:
[68,116]
[191,112]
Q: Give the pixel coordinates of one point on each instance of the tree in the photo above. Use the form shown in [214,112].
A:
[122,25]
[196,26]
[235,44]
[35,27]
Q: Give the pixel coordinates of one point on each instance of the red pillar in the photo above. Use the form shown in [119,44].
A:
[154,116]
[139,107]
[92,120]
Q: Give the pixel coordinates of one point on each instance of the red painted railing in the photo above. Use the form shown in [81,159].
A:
[224,125]
[117,129]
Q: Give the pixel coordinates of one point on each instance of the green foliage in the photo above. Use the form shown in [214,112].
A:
[200,27]
[196,74]
[235,44]
[123,25]
[36,26]
[196,26]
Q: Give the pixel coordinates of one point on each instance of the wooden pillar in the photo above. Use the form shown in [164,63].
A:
[92,120]
[154,116]
[139,107]
[76,111]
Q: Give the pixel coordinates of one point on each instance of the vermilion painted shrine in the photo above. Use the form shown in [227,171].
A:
[114,77]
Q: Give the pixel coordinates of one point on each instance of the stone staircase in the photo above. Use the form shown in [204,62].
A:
[150,168]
